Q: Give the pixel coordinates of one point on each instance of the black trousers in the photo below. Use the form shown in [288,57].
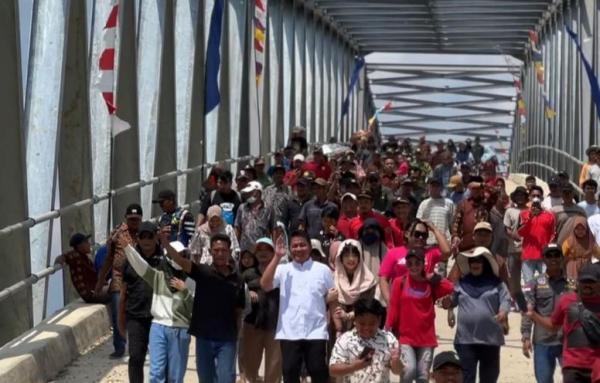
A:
[138,335]
[314,355]
[577,375]
[487,357]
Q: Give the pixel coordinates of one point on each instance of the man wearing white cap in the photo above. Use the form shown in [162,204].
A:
[292,176]
[254,219]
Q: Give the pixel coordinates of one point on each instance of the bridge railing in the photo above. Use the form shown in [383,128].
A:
[54,214]
[545,161]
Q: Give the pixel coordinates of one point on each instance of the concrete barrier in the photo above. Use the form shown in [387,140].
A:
[41,353]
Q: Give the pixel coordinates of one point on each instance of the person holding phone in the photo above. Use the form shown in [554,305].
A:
[543,294]
[366,353]
[537,228]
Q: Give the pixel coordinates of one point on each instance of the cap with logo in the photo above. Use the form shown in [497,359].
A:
[133,210]
[552,248]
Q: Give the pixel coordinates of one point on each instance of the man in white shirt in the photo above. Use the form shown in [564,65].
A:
[555,196]
[302,324]
[589,203]
[436,209]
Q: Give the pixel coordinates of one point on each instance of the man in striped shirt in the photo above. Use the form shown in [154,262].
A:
[436,209]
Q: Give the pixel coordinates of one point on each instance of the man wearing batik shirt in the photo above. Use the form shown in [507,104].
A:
[366,354]
[278,195]
[467,214]
[180,220]
[254,219]
[81,268]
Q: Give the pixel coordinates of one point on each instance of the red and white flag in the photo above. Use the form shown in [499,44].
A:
[106,78]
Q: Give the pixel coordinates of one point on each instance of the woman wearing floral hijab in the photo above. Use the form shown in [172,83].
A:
[353,280]
[200,243]
[579,248]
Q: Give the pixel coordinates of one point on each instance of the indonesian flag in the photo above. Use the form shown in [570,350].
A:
[260,22]
[106,78]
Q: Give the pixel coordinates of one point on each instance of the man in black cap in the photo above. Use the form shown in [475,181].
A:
[180,220]
[300,196]
[116,260]
[447,368]
[543,293]
[81,268]
[578,315]
[135,303]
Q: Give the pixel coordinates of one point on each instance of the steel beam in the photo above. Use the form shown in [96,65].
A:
[17,314]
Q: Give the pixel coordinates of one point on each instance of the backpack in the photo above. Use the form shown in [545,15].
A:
[226,208]
[590,324]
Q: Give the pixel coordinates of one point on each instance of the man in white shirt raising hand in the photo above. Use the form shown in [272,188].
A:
[302,323]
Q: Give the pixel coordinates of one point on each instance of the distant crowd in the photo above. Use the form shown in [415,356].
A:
[330,262]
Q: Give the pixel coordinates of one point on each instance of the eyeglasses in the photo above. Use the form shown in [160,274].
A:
[420,234]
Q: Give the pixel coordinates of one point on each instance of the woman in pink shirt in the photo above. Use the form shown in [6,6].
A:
[394,262]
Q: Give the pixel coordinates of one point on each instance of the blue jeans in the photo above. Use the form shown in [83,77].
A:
[118,340]
[169,348]
[529,267]
[215,360]
[544,361]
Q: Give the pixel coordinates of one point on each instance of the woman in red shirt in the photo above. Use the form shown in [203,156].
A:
[411,315]
[394,262]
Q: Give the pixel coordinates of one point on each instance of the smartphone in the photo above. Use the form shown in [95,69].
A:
[366,353]
[521,301]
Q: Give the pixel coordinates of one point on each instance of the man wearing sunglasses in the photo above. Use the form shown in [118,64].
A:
[543,293]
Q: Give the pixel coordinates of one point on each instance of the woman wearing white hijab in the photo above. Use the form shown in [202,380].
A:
[353,280]
[215,224]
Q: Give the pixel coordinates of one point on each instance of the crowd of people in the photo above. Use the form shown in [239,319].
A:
[334,266]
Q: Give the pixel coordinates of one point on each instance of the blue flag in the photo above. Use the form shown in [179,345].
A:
[594,88]
[358,65]
[213,59]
